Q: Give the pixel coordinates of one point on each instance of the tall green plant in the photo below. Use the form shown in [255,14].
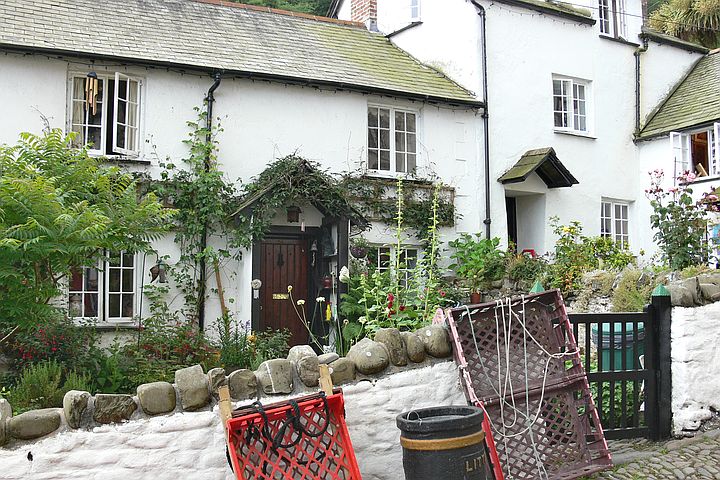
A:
[680,223]
[478,261]
[61,208]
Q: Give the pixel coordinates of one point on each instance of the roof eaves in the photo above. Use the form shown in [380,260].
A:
[557,9]
[455,101]
[672,41]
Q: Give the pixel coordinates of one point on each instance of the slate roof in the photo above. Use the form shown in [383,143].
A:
[545,163]
[219,35]
[694,102]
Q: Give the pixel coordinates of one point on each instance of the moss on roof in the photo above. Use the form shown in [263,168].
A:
[695,101]
[216,35]
[558,8]
[545,163]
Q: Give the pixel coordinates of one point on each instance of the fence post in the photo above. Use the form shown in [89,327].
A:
[662,319]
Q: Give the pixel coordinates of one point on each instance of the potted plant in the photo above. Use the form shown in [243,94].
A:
[477,262]
[359,248]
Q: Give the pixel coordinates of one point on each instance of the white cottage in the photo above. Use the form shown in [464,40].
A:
[281,83]
[568,87]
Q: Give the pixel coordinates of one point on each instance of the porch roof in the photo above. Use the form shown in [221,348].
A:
[545,163]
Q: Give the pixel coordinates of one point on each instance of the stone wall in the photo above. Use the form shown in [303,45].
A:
[695,366]
[166,430]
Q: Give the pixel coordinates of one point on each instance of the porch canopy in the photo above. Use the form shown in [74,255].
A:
[545,163]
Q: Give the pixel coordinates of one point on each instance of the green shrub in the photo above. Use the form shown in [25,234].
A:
[477,261]
[633,291]
[576,254]
[525,270]
[43,385]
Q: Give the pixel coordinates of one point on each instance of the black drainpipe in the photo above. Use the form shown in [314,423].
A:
[483,21]
[210,100]
[637,53]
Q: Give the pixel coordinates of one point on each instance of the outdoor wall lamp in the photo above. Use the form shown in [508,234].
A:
[159,272]
[293,214]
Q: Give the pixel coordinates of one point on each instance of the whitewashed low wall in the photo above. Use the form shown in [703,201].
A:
[191,445]
[695,365]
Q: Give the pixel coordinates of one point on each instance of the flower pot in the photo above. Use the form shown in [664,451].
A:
[475,298]
[358,252]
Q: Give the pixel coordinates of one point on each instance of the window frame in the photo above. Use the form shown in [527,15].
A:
[106,122]
[623,237]
[572,115]
[415,10]
[612,18]
[390,253]
[681,147]
[103,292]
[393,151]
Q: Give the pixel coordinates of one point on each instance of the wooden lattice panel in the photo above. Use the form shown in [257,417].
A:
[544,421]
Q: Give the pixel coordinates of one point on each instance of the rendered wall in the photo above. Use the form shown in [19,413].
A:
[191,445]
[261,122]
[695,365]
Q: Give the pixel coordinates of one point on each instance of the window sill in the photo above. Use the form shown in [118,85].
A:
[619,40]
[707,179]
[388,175]
[575,134]
[131,160]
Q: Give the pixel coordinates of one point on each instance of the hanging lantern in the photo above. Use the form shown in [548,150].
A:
[293,214]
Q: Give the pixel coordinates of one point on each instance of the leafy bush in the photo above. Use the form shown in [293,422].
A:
[59,209]
[576,254]
[478,261]
[525,270]
[633,291]
[680,223]
[268,345]
[44,385]
[71,345]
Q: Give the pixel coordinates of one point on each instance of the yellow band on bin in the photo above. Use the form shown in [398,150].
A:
[442,443]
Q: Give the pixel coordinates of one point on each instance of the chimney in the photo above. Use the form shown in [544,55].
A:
[364,11]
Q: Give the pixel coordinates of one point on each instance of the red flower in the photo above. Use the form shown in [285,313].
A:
[442,293]
[402,308]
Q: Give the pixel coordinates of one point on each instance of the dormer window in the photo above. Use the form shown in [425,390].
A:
[105,113]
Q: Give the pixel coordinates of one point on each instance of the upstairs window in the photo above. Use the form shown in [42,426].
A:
[697,151]
[614,221]
[105,113]
[105,293]
[612,18]
[570,104]
[414,10]
[392,140]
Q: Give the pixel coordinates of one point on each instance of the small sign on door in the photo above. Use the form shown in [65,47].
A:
[281,296]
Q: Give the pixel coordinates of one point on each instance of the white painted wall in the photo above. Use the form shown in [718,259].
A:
[261,122]
[695,365]
[524,49]
[191,445]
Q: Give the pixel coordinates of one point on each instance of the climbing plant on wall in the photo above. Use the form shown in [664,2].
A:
[376,198]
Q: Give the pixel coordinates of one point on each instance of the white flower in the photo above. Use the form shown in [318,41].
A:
[362,320]
[301,302]
[344,275]
[320,299]
[289,288]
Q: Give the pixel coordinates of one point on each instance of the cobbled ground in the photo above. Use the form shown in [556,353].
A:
[684,459]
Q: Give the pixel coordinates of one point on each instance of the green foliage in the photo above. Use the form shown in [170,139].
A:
[60,208]
[693,271]
[44,385]
[206,201]
[423,200]
[680,223]
[381,299]
[268,345]
[633,291]
[576,254]
[525,270]
[694,20]
[59,340]
[478,261]
[313,7]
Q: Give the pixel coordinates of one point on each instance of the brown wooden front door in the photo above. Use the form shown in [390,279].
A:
[284,262]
